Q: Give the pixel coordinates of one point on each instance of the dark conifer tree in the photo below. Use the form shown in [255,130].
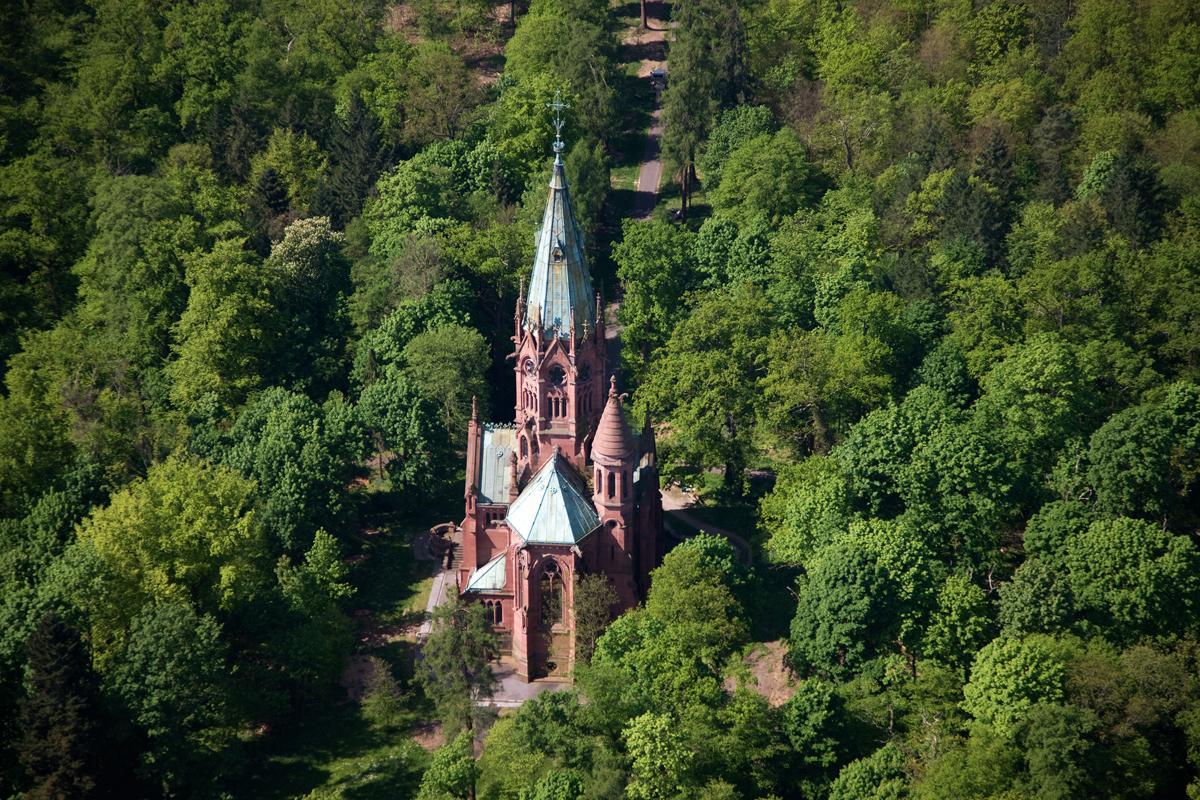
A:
[357,159]
[992,209]
[273,193]
[60,716]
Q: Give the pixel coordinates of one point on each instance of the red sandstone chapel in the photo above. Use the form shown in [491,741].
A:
[567,489]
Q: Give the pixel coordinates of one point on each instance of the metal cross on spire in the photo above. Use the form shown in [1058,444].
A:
[558,105]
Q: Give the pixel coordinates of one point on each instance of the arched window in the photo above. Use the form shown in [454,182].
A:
[598,484]
[612,484]
[551,593]
[624,485]
[524,447]
[499,612]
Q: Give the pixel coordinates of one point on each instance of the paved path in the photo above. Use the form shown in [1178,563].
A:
[645,191]
[651,44]
[513,691]
[438,594]
[676,503]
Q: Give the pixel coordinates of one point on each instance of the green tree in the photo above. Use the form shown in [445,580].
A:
[423,193]
[660,758]
[1139,461]
[961,624]
[451,774]
[447,365]
[188,533]
[302,457]
[409,434]
[559,40]
[173,678]
[562,784]
[655,266]
[456,670]
[813,721]
[704,385]
[844,611]
[1036,398]
[298,163]
[805,511]
[225,334]
[440,94]
[879,776]
[310,278]
[1060,751]
[1132,578]
[692,593]
[1008,678]
[957,485]
[876,451]
[765,178]
[733,128]
[593,603]
[1038,599]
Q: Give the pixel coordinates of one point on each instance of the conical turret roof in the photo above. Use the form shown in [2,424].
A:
[613,441]
[560,289]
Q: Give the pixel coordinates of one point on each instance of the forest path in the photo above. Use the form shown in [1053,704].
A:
[648,47]
[677,501]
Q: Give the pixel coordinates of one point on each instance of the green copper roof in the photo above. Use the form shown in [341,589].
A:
[551,509]
[491,577]
[560,288]
[494,473]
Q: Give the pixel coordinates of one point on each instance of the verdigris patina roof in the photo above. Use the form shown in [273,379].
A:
[494,474]
[551,509]
[491,577]
[560,288]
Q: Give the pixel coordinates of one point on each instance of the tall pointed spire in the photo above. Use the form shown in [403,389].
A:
[560,288]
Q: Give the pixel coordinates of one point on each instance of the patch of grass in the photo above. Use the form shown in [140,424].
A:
[333,752]
[392,584]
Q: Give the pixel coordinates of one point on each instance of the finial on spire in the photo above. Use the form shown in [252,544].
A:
[612,385]
[474,409]
[558,105]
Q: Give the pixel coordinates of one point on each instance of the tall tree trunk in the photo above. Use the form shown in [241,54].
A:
[644,24]
[684,189]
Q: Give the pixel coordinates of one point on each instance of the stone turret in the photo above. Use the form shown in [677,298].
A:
[614,459]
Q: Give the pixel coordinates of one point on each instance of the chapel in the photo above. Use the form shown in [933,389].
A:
[568,488]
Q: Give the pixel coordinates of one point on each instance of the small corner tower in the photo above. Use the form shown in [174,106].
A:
[614,459]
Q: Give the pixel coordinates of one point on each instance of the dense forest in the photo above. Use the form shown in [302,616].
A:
[918,314]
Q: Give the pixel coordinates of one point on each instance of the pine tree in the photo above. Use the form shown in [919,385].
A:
[357,160]
[60,715]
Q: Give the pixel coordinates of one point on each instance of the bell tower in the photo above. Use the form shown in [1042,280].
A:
[559,335]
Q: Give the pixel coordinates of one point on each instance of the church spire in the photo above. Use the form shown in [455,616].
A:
[560,288]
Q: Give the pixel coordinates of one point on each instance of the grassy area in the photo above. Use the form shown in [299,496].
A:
[391,583]
[333,753]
